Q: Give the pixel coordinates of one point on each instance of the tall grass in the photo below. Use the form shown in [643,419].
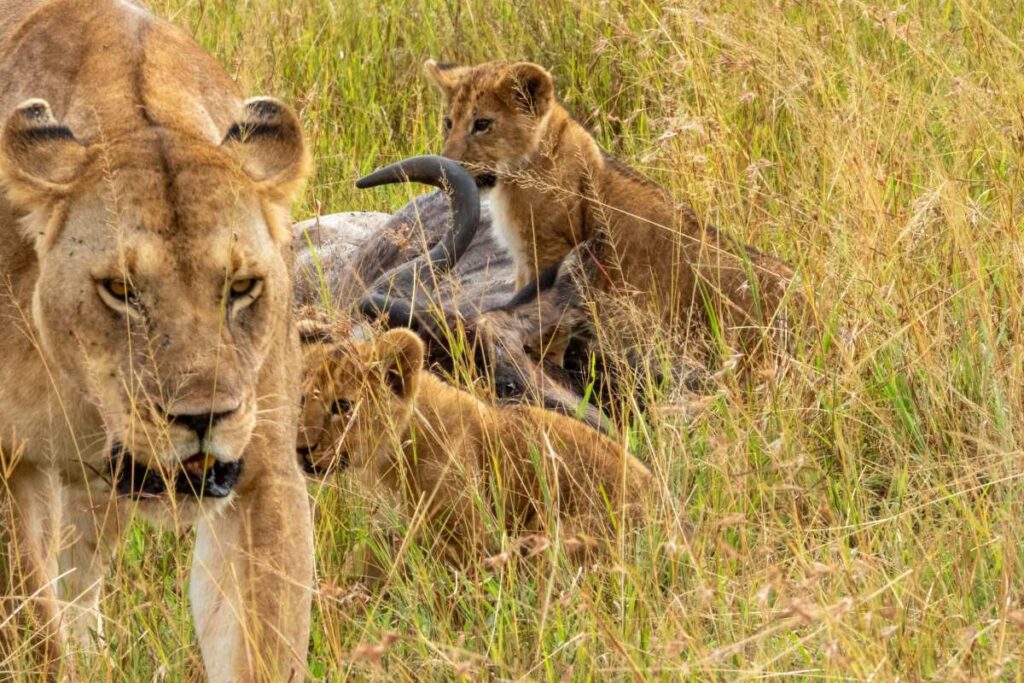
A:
[859,516]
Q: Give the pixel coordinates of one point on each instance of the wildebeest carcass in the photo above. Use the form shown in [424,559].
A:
[436,267]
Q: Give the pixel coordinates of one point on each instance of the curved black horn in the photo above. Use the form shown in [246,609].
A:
[464,198]
[395,312]
[462,192]
[430,325]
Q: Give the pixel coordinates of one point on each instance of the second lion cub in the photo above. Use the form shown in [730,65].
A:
[370,405]
[554,189]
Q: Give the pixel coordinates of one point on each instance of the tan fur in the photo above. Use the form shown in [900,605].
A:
[371,405]
[555,189]
[128,154]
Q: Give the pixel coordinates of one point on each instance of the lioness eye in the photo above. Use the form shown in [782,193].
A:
[482,125]
[119,289]
[447,123]
[240,288]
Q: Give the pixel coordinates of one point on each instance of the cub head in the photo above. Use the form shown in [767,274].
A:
[163,281]
[494,114]
[357,398]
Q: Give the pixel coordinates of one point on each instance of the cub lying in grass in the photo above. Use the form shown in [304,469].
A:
[371,406]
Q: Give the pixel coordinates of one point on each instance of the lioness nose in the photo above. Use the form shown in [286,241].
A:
[199,423]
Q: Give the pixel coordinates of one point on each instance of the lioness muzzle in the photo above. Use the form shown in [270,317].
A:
[207,480]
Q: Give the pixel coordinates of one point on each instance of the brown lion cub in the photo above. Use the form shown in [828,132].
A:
[553,188]
[370,405]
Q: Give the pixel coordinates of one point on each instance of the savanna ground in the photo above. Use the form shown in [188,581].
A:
[857,516]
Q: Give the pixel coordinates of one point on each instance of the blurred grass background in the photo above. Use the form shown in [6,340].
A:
[859,517]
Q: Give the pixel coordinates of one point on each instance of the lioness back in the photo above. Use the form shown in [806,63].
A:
[130,58]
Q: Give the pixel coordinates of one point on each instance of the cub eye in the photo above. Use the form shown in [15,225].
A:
[482,125]
[244,286]
[341,407]
[447,124]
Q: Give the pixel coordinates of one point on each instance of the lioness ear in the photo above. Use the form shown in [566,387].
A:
[268,142]
[445,76]
[531,88]
[400,353]
[40,159]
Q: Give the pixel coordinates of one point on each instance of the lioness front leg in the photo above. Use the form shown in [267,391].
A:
[96,526]
[31,517]
[252,577]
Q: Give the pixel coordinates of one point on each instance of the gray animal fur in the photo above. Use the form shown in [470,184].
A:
[351,250]
[339,256]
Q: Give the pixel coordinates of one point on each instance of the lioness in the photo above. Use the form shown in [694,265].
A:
[554,189]
[370,406]
[149,357]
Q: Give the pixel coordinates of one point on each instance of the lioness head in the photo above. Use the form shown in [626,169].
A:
[357,397]
[163,280]
[495,113]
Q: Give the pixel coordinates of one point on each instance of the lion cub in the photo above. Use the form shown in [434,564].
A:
[371,406]
[553,188]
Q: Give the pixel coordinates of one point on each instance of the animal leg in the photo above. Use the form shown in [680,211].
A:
[31,516]
[251,582]
[83,564]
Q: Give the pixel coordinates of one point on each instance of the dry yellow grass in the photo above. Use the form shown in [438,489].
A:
[858,517]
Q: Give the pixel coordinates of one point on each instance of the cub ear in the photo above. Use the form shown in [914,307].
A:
[269,143]
[531,88]
[40,159]
[400,353]
[313,331]
[445,76]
